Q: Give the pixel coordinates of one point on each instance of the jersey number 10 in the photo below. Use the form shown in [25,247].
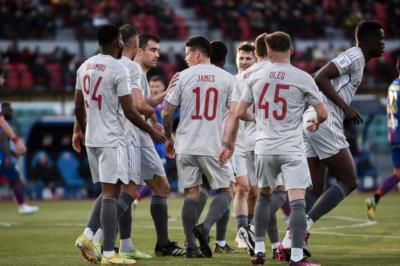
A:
[277,99]
[86,88]
[210,92]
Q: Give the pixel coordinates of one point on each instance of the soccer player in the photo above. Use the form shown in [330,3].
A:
[103,102]
[327,148]
[219,52]
[8,168]
[393,113]
[203,93]
[152,168]
[279,196]
[20,148]
[245,186]
[280,92]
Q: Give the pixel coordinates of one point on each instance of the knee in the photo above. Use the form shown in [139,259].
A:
[242,190]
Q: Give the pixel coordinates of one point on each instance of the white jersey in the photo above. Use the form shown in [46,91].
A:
[250,127]
[203,93]
[132,134]
[351,65]
[145,139]
[280,92]
[102,80]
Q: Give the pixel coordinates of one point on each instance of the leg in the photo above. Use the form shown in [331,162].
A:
[158,207]
[251,202]
[189,215]
[384,188]
[240,201]
[342,167]
[318,173]
[108,216]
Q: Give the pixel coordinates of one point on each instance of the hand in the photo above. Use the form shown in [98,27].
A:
[313,125]
[172,82]
[159,127]
[225,153]
[169,148]
[78,139]
[157,136]
[20,148]
[353,115]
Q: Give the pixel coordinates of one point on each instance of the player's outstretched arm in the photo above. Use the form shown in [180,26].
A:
[241,112]
[169,112]
[157,99]
[323,79]
[140,104]
[135,118]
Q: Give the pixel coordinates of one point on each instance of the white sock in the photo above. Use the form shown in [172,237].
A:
[296,254]
[88,233]
[275,245]
[125,245]
[108,254]
[221,243]
[135,202]
[259,247]
[98,237]
[287,240]
[310,222]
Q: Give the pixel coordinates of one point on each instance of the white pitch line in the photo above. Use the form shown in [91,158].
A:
[356,235]
[364,224]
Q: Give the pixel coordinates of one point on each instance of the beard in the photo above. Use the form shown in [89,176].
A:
[119,55]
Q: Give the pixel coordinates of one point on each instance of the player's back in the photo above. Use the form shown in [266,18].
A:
[280,92]
[102,80]
[205,92]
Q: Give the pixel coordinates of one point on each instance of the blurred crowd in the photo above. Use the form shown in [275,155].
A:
[310,19]
[79,19]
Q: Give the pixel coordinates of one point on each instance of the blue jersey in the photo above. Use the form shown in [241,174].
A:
[393,112]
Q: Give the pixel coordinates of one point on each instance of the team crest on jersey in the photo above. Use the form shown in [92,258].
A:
[343,61]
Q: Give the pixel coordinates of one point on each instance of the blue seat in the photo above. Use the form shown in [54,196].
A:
[68,166]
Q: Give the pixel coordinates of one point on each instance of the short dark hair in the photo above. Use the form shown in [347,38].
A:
[145,38]
[107,34]
[278,41]
[5,105]
[261,46]
[200,43]
[218,52]
[156,78]
[127,32]
[366,28]
[246,46]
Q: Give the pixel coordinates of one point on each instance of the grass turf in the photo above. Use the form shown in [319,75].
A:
[340,238]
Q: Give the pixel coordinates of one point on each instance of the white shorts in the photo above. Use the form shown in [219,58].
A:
[244,165]
[151,164]
[192,167]
[327,141]
[108,165]
[134,166]
[294,169]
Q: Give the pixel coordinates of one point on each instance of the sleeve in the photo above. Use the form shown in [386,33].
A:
[78,85]
[122,82]
[343,63]
[236,91]
[312,93]
[247,94]
[174,96]
[231,88]
[141,81]
[135,79]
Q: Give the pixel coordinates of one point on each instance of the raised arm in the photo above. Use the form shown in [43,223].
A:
[169,112]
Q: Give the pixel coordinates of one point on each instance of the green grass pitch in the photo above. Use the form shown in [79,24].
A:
[341,238]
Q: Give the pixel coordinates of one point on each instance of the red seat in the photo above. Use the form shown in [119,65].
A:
[12,80]
[56,77]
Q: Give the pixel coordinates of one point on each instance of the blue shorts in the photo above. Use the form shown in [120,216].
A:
[396,156]
[9,172]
